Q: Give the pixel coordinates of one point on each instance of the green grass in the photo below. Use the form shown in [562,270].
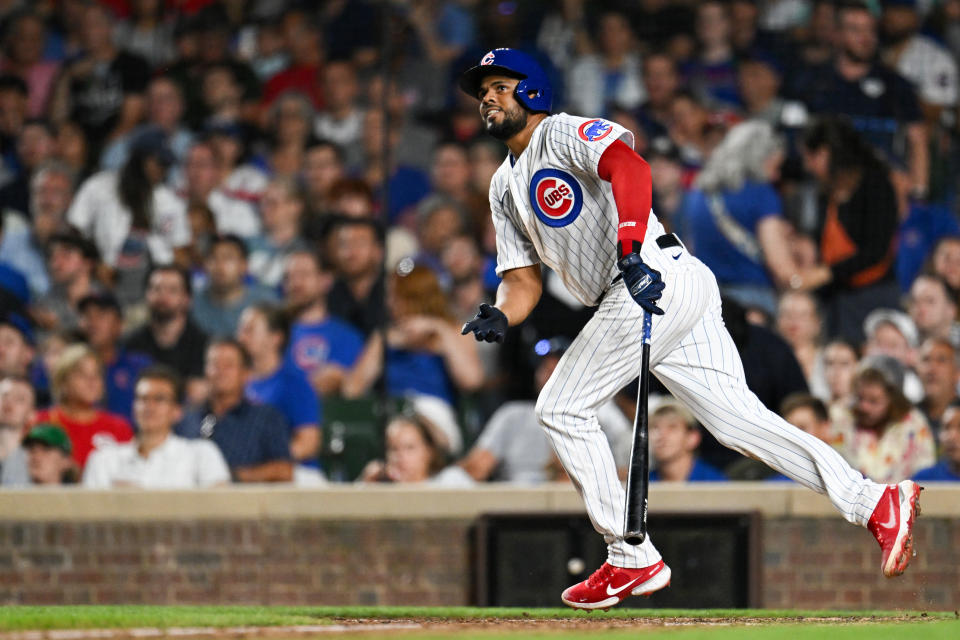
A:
[17,618]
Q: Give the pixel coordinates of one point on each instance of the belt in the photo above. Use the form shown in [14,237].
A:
[665,241]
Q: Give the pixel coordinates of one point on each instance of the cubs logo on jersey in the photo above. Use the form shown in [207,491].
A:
[593,130]
[556,197]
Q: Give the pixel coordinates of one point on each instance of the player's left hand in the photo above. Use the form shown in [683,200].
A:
[643,282]
[489,324]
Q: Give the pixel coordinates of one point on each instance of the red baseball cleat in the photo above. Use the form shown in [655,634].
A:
[609,585]
[892,525]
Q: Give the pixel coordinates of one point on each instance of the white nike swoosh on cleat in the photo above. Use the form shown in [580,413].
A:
[613,592]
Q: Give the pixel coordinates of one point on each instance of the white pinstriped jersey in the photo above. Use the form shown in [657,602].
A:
[549,205]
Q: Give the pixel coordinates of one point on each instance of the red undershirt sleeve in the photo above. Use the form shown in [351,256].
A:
[629,175]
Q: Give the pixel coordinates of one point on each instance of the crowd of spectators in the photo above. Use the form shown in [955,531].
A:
[226,225]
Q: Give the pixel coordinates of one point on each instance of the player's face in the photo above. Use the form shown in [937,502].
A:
[502,115]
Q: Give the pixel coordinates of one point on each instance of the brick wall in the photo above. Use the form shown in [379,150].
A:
[807,563]
[235,562]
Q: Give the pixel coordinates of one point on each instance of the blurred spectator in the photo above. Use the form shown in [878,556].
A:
[948,468]
[156,458]
[101,322]
[712,75]
[662,80]
[450,176]
[798,321]
[252,438]
[341,119]
[321,346]
[17,345]
[414,454]
[290,124]
[463,264]
[839,368]
[933,308]
[323,166]
[77,391]
[17,406]
[759,79]
[358,292]
[883,436]
[665,26]
[35,146]
[674,439]
[940,373]
[733,217]
[263,331]
[282,208]
[891,332]
[14,288]
[202,185]
[692,130]
[857,230]
[407,183]
[945,260]
[919,58]
[146,32]
[48,456]
[303,40]
[924,227]
[816,45]
[612,75]
[133,217]
[13,113]
[240,179]
[72,148]
[513,446]
[217,307]
[25,36]
[170,337]
[439,220]
[221,94]
[882,105]
[51,190]
[165,111]
[350,30]
[102,89]
[72,265]
[563,34]
[421,352]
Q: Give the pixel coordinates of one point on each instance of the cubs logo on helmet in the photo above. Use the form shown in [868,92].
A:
[556,197]
[488,59]
[593,130]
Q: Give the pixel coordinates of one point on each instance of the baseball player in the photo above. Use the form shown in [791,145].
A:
[573,195]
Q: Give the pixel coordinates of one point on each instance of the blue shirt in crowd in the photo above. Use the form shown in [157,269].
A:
[121,378]
[287,391]
[418,372]
[332,341]
[940,472]
[248,435]
[748,206]
[701,472]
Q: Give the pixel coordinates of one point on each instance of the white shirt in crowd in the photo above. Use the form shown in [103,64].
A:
[100,215]
[932,69]
[233,215]
[178,463]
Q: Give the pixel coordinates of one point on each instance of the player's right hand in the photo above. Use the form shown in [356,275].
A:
[644,283]
[488,325]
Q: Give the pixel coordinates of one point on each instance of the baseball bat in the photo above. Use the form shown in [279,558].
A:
[638,478]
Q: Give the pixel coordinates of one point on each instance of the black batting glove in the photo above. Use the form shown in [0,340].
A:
[644,283]
[488,325]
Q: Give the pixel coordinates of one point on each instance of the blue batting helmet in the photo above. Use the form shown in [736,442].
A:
[533,91]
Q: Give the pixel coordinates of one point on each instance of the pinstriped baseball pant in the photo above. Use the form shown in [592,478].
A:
[695,358]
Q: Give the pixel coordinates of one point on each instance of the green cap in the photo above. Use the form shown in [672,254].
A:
[50,435]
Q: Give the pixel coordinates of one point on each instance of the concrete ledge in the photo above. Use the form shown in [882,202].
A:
[366,502]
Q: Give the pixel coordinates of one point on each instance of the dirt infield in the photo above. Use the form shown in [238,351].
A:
[377,628]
